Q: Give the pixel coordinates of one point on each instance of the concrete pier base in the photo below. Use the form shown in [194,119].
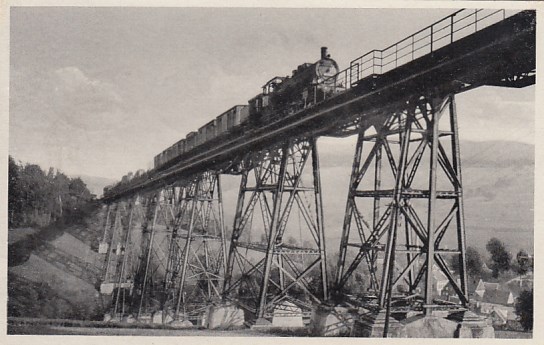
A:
[103,248]
[287,315]
[161,316]
[223,316]
[261,323]
[372,325]
[181,324]
[421,326]
[329,321]
[128,319]
[157,317]
[145,318]
[471,325]
[107,288]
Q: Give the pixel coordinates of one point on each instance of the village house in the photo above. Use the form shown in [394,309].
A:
[495,300]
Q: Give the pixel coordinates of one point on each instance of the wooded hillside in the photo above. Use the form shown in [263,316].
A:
[39,198]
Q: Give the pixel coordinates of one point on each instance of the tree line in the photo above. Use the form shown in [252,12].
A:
[500,262]
[39,198]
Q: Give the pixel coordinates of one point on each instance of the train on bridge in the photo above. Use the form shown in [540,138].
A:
[400,102]
[280,97]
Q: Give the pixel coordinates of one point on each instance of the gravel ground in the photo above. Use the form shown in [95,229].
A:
[58,330]
[513,335]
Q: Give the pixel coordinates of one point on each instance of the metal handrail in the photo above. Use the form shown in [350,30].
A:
[421,43]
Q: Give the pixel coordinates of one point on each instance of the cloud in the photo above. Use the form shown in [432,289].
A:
[65,118]
[497,114]
[83,102]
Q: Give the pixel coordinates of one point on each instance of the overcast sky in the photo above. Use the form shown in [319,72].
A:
[100,91]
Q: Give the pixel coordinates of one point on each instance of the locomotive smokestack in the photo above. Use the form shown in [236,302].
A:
[323,52]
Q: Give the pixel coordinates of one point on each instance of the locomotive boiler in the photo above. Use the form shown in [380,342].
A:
[307,85]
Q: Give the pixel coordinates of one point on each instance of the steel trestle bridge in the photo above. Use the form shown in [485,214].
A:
[165,242]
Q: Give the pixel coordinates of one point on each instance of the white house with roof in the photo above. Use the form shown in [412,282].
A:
[495,300]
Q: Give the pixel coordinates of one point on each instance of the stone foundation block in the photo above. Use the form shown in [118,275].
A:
[372,325]
[287,315]
[181,324]
[328,321]
[224,316]
[421,326]
[471,325]
[128,319]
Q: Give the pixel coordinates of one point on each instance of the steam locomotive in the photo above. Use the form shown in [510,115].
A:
[284,96]
[280,97]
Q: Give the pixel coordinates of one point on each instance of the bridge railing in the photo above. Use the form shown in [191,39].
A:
[427,40]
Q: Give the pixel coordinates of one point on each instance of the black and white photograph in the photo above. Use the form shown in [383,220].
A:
[272,170]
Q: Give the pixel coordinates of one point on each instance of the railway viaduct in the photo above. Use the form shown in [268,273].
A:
[166,251]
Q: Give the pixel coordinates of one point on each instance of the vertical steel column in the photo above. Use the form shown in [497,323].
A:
[149,252]
[319,217]
[279,262]
[386,285]
[221,221]
[431,210]
[171,256]
[106,224]
[236,232]
[460,217]
[409,255]
[180,198]
[376,214]
[207,266]
[273,230]
[125,258]
[110,245]
[349,211]
[185,259]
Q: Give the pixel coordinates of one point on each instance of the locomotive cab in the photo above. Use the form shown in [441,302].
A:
[272,85]
[259,105]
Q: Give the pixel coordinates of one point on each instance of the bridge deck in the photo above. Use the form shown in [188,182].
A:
[502,54]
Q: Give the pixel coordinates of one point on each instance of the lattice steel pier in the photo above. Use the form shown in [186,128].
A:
[396,226]
[167,251]
[281,266]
